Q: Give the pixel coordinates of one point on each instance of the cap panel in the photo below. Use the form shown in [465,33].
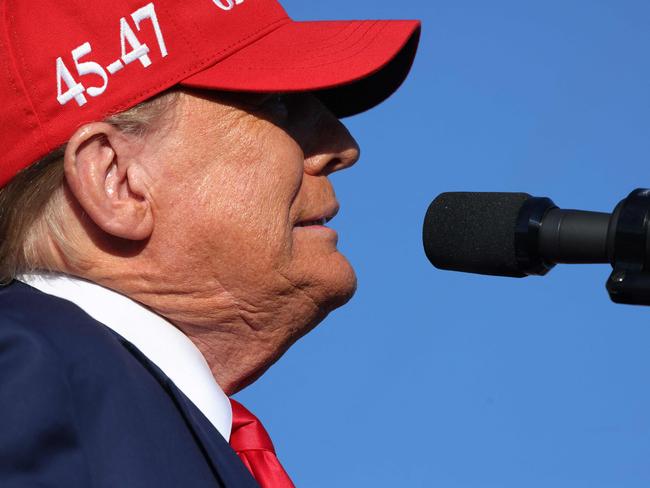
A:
[19,127]
[353,65]
[99,45]
[195,34]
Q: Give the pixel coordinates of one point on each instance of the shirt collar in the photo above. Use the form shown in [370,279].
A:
[160,341]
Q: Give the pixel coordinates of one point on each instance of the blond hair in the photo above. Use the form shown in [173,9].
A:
[32,203]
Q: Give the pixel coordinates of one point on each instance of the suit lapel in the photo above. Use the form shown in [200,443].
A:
[224,460]
[225,463]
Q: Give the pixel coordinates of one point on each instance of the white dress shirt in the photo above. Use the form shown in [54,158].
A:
[160,341]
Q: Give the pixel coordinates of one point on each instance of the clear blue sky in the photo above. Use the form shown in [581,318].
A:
[436,379]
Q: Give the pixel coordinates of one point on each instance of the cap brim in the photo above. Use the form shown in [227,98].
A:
[351,65]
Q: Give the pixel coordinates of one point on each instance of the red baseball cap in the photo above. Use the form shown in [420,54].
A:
[66,63]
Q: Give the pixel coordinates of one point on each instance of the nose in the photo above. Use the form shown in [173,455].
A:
[327,144]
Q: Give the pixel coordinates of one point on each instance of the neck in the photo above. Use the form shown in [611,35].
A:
[237,343]
[236,351]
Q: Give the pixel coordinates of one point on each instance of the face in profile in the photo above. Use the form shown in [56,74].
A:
[244,200]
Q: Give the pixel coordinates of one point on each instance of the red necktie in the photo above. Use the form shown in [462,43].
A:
[253,445]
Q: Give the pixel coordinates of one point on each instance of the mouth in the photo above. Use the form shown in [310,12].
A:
[309,223]
[319,219]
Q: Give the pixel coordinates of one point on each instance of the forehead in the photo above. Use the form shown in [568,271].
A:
[250,118]
[217,109]
[286,111]
[213,100]
[224,122]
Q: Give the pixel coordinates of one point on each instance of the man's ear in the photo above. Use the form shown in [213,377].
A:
[106,177]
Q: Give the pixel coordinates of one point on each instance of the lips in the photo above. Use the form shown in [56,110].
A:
[319,218]
[308,223]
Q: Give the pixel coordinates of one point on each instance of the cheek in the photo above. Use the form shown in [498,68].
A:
[231,205]
[241,213]
[255,198]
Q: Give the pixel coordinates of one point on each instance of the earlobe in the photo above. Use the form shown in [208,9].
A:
[102,171]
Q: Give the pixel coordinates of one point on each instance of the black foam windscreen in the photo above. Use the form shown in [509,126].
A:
[474,232]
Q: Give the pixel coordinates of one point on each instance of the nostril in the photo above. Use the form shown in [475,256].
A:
[334,165]
[344,159]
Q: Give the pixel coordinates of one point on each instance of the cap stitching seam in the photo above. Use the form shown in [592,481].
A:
[12,64]
[18,54]
[179,30]
[369,26]
[194,66]
[8,65]
[324,42]
[369,41]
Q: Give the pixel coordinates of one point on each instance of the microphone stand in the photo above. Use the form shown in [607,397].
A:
[629,282]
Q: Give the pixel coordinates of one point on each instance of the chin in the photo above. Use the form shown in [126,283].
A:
[324,272]
[337,283]
[330,284]
[346,285]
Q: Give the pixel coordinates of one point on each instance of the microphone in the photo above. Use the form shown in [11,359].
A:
[510,234]
[518,235]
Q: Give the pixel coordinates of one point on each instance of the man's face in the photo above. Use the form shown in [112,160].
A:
[241,190]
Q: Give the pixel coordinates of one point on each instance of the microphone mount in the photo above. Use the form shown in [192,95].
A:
[626,244]
[629,282]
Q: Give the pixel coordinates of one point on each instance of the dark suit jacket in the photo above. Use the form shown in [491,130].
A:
[80,407]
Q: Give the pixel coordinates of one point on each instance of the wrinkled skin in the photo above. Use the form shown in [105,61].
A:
[197,220]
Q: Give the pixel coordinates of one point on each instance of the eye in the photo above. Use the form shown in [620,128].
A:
[279,106]
[275,106]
